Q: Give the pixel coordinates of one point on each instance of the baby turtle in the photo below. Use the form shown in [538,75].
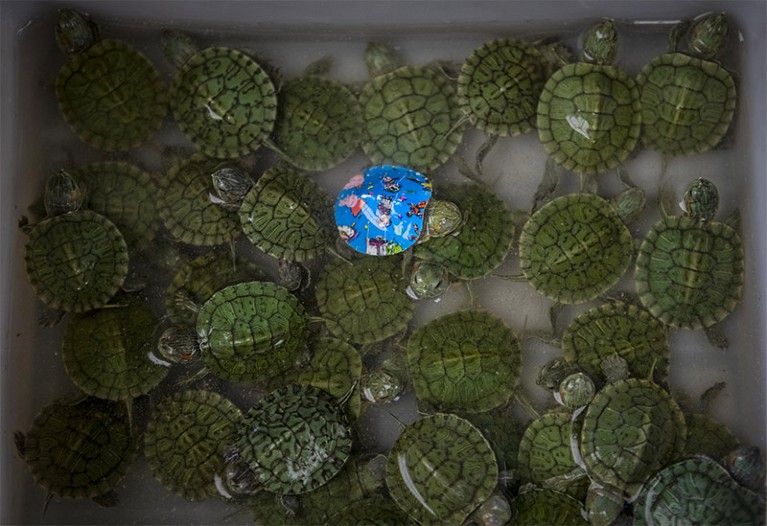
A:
[364,301]
[222,99]
[464,361]
[545,507]
[589,112]
[186,441]
[690,270]
[76,259]
[111,95]
[688,100]
[574,248]
[440,469]
[319,121]
[80,449]
[411,115]
[294,440]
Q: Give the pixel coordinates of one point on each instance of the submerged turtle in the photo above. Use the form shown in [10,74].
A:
[186,441]
[690,270]
[545,507]
[111,95]
[79,449]
[589,112]
[76,259]
[440,469]
[411,115]
[319,121]
[222,99]
[465,361]
[574,248]
[688,101]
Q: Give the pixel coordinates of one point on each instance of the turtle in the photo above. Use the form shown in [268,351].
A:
[690,270]
[700,490]
[294,440]
[545,507]
[374,510]
[503,430]
[110,94]
[494,511]
[589,113]
[185,206]
[575,248]
[464,361]
[76,259]
[440,469]
[249,331]
[125,194]
[222,99]
[319,121]
[427,280]
[186,439]
[364,300]
[688,100]
[411,116]
[80,448]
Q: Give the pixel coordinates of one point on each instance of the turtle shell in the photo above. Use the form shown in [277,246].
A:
[106,351]
[186,208]
[319,122]
[295,439]
[224,102]
[411,117]
[287,215]
[126,195]
[589,117]
[186,441]
[545,507]
[376,510]
[574,248]
[112,96]
[81,449]
[631,429]
[687,103]
[364,301]
[464,361]
[440,469]
[618,328]
[706,436]
[499,86]
[76,261]
[251,331]
[481,243]
[689,274]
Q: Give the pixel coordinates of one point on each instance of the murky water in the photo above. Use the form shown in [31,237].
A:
[512,170]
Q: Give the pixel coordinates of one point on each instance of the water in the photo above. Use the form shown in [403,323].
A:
[513,170]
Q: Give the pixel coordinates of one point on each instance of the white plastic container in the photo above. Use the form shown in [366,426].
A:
[36,141]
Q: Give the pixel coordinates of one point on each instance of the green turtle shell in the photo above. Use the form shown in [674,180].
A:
[589,117]
[112,96]
[706,436]
[251,331]
[544,507]
[574,248]
[440,469]
[76,261]
[376,510]
[224,102]
[689,274]
[186,441]
[464,361]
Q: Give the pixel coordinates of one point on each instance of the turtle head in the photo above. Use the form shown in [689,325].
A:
[178,344]
[237,476]
[381,386]
[614,367]
[600,43]
[576,390]
[75,32]
[442,218]
[701,200]
[380,59]
[178,46]
[63,194]
[428,280]
[708,35]
[746,466]
[230,184]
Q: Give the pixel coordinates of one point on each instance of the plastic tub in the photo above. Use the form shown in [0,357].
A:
[36,141]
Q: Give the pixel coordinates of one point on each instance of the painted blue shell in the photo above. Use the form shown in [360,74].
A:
[381,211]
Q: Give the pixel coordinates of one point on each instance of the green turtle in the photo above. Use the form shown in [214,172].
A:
[688,100]
[79,449]
[411,116]
[464,361]
[221,98]
[589,113]
[111,95]
[186,441]
[545,507]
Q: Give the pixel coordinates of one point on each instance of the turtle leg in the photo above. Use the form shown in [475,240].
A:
[716,337]
[483,150]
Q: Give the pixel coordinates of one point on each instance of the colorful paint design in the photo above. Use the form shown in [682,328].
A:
[380,211]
